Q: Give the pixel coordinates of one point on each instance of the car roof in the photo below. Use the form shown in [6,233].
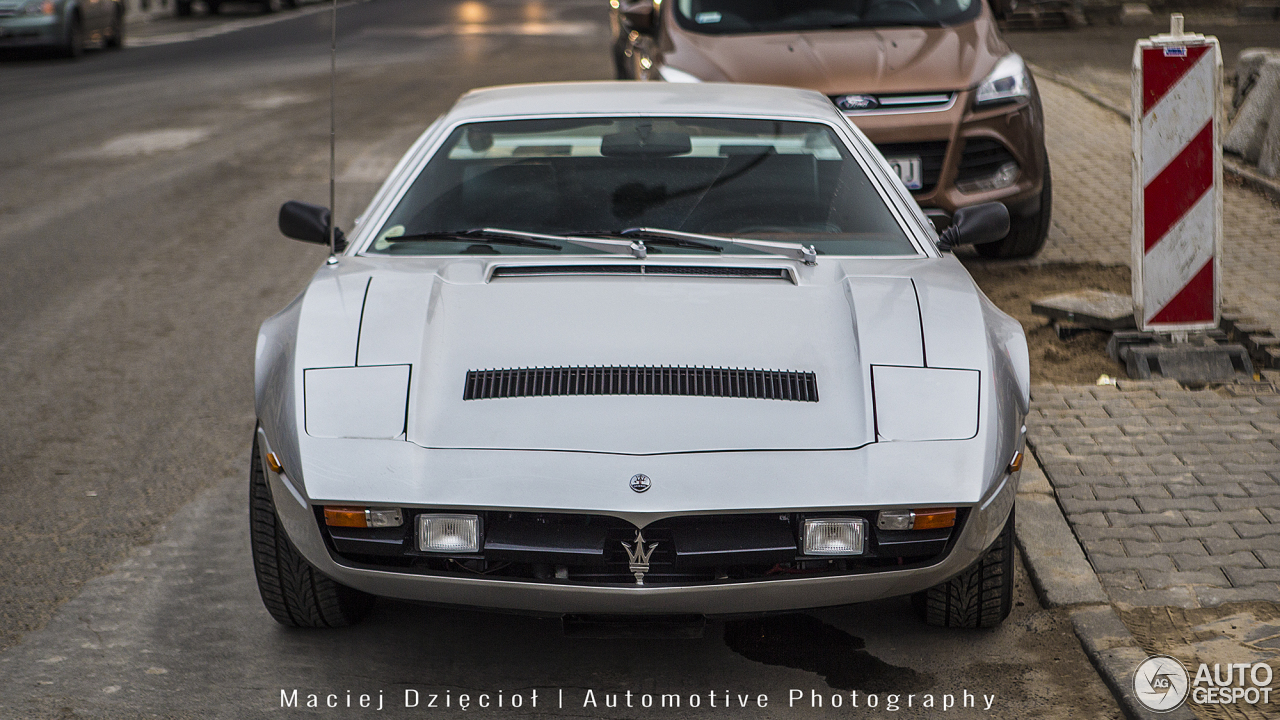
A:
[643,98]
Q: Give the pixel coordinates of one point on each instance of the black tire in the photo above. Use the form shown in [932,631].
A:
[293,591]
[182,8]
[1026,234]
[215,6]
[73,46]
[979,597]
[116,39]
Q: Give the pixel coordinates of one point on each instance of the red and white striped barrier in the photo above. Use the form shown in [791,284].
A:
[1177,181]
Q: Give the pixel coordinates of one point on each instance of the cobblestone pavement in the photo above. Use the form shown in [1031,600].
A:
[1174,493]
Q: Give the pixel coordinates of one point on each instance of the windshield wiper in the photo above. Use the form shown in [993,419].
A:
[648,238]
[520,238]
[805,254]
[478,235]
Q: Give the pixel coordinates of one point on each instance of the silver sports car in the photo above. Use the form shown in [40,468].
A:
[642,350]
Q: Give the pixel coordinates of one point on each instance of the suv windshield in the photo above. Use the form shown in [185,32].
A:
[762,16]
[758,179]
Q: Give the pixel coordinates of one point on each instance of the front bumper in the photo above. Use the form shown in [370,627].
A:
[31,31]
[958,145]
[723,597]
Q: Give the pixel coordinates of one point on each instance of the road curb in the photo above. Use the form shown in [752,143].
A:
[1063,578]
[1251,178]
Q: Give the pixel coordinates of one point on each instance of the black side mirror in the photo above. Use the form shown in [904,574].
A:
[976,225]
[309,223]
[637,14]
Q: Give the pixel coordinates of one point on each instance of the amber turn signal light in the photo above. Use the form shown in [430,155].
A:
[344,516]
[273,462]
[934,519]
[1016,463]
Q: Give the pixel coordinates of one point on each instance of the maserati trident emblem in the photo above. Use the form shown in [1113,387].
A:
[640,482]
[638,556]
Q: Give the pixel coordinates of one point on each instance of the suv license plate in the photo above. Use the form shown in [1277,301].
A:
[908,168]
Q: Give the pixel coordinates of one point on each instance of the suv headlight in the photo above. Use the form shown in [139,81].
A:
[670,74]
[1007,82]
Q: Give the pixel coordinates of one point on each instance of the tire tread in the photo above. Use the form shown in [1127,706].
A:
[294,592]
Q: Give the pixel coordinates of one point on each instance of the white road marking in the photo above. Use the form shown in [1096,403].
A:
[150,142]
[233,26]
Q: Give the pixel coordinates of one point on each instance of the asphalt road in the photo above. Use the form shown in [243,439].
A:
[139,192]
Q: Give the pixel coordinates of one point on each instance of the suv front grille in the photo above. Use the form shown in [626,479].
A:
[682,381]
[931,156]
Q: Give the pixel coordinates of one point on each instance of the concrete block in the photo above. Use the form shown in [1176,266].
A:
[1269,155]
[1253,121]
[1088,308]
[1248,63]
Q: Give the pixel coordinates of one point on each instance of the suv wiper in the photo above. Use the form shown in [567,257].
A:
[885,23]
[805,254]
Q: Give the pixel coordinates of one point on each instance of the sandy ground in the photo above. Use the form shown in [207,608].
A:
[1231,633]
[1077,360]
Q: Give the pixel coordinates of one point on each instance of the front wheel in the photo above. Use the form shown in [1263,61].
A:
[295,593]
[1026,234]
[979,597]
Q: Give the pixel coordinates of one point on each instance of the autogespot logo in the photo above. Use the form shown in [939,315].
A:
[1161,683]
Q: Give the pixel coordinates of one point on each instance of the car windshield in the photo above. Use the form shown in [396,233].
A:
[756,179]
[761,16]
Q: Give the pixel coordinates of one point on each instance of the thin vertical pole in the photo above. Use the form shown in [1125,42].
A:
[333,134]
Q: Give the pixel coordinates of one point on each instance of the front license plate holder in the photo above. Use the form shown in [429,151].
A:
[908,169]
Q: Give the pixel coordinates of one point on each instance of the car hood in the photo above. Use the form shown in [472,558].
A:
[647,322]
[427,324]
[884,60]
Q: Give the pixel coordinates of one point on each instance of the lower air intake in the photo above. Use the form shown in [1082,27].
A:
[693,382]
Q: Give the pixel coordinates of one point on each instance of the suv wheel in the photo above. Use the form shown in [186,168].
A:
[979,597]
[1026,234]
[295,593]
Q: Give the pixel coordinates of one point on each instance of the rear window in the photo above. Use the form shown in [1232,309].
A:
[764,16]
[760,179]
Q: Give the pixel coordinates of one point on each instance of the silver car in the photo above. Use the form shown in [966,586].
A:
[65,26]
[644,350]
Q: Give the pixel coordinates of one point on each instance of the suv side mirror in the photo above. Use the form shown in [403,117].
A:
[309,223]
[976,225]
[637,14]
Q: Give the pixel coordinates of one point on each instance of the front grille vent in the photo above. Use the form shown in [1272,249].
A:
[630,269]
[686,381]
[894,103]
[981,158]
